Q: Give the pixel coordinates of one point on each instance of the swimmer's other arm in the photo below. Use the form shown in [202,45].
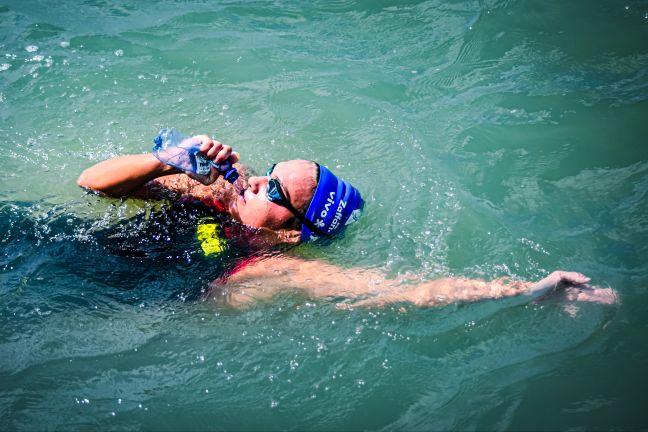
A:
[144,176]
[356,287]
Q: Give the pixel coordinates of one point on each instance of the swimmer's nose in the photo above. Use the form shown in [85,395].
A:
[255,183]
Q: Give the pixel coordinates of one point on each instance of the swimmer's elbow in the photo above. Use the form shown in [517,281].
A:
[84,180]
[90,183]
[87,182]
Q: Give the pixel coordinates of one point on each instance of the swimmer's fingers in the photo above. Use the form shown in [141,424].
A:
[216,151]
[209,147]
[556,281]
[572,278]
[205,142]
[224,154]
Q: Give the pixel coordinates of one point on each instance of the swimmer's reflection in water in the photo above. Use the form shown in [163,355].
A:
[299,201]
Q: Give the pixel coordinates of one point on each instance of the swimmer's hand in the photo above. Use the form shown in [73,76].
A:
[572,286]
[558,280]
[215,152]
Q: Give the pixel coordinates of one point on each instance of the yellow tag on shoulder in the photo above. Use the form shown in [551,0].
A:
[209,236]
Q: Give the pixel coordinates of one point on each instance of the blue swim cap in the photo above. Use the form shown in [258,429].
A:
[335,204]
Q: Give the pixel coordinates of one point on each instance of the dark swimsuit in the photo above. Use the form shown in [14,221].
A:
[236,235]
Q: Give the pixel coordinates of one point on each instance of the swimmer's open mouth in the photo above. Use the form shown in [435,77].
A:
[240,187]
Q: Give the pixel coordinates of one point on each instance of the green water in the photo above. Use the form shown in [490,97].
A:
[489,138]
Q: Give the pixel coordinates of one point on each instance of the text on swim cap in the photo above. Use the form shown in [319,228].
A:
[330,200]
[338,215]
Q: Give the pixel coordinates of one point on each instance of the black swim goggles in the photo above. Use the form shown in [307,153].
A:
[275,194]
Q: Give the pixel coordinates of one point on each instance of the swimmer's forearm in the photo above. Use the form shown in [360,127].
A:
[445,291]
[123,175]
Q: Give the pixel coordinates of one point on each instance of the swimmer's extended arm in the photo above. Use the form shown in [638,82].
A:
[370,288]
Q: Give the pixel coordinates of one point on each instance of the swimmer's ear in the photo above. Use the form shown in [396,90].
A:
[289,236]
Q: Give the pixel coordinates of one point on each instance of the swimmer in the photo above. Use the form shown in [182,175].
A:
[299,201]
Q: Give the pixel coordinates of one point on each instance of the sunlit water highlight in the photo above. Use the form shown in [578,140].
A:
[489,138]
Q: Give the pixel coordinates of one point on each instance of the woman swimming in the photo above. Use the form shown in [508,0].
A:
[299,201]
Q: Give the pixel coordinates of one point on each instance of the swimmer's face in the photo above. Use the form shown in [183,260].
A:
[298,182]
